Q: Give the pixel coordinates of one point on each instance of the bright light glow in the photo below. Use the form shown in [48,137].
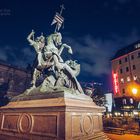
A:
[135,113]
[128,79]
[122,80]
[135,78]
[116,113]
[122,115]
[134,91]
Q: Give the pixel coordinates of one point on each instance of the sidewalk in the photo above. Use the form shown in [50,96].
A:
[123,137]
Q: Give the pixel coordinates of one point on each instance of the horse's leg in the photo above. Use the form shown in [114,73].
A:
[65,66]
[58,65]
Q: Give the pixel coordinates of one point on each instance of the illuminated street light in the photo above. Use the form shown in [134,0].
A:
[134,91]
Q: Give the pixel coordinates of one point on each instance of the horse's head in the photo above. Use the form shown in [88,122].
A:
[57,38]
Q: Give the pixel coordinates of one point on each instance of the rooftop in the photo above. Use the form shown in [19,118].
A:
[4,63]
[130,48]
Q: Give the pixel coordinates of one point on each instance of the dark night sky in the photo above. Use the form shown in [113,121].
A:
[95,29]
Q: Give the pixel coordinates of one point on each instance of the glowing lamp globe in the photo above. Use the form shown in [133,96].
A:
[134,91]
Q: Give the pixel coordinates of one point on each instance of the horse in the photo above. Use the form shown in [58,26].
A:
[51,59]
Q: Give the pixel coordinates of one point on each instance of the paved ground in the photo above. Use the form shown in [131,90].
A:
[123,137]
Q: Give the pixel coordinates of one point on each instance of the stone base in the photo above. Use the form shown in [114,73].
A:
[51,119]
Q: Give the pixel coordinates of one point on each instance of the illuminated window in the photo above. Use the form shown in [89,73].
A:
[137,46]
[131,100]
[122,80]
[124,101]
[135,77]
[128,79]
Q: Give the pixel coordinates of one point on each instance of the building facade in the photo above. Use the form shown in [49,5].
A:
[126,71]
[13,80]
[126,76]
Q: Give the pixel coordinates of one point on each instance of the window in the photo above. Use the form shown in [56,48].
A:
[132,57]
[121,71]
[124,101]
[122,80]
[123,91]
[126,59]
[120,61]
[127,69]
[134,67]
[135,78]
[131,101]
[137,46]
[139,54]
[128,79]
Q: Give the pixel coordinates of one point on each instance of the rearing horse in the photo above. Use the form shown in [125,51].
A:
[51,57]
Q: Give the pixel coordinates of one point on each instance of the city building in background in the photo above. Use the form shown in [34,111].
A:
[126,78]
[95,88]
[13,80]
[95,91]
[109,102]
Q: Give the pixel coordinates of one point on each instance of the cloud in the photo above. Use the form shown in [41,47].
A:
[3,55]
[18,56]
[94,54]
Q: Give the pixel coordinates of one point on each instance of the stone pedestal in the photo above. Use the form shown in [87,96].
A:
[58,118]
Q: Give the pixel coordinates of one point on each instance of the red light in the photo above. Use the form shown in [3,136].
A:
[116,87]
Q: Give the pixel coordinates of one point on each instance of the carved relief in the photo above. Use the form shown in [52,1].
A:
[25,123]
[1,116]
[47,125]
[82,124]
[87,124]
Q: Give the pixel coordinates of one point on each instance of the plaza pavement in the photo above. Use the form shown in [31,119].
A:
[123,137]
